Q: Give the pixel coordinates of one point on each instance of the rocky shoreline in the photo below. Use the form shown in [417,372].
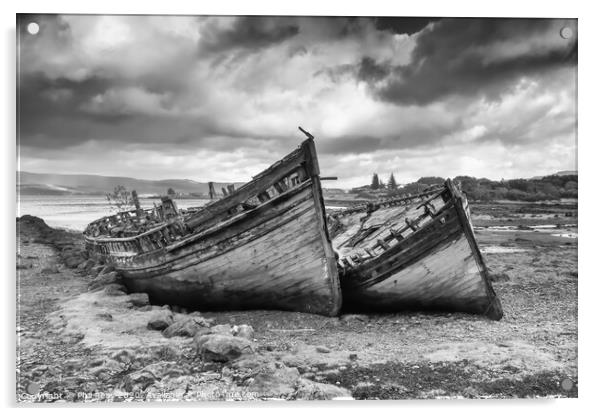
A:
[83,338]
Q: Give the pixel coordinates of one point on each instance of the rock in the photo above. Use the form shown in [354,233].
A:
[351,318]
[73,261]
[187,327]
[499,277]
[222,348]
[166,353]
[115,289]
[103,280]
[277,382]
[142,379]
[87,265]
[244,331]
[470,392]
[105,316]
[95,271]
[52,269]
[106,270]
[353,357]
[311,390]
[322,349]
[124,356]
[224,329]
[160,320]
[138,299]
[107,369]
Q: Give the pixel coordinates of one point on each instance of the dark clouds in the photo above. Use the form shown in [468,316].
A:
[470,57]
[404,25]
[247,33]
[95,90]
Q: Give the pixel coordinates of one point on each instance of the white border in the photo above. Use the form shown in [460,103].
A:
[589,160]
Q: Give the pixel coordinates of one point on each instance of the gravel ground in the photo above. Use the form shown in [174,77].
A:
[531,352]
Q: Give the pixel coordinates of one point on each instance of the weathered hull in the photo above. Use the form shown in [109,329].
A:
[280,263]
[273,255]
[435,266]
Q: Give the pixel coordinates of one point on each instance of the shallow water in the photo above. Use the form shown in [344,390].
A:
[75,212]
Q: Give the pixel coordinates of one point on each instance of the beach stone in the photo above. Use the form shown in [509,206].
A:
[276,382]
[311,390]
[187,327]
[86,265]
[53,269]
[138,299]
[222,348]
[107,369]
[103,280]
[124,356]
[224,329]
[95,271]
[244,331]
[322,349]
[160,320]
[105,316]
[106,270]
[73,261]
[142,379]
[115,289]
[499,277]
[354,317]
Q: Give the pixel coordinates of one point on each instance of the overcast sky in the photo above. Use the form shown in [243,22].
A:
[220,98]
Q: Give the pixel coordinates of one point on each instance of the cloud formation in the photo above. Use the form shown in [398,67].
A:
[219,98]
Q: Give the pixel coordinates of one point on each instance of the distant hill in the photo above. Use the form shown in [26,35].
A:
[58,184]
[560,173]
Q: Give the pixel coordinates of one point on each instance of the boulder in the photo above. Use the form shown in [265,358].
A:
[86,265]
[52,269]
[354,317]
[115,289]
[160,320]
[140,380]
[187,327]
[310,390]
[105,316]
[138,299]
[222,348]
[103,280]
[106,270]
[223,329]
[73,261]
[244,331]
[124,356]
[274,382]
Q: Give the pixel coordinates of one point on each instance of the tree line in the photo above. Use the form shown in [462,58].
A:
[482,189]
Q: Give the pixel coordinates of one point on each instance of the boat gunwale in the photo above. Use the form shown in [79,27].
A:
[365,206]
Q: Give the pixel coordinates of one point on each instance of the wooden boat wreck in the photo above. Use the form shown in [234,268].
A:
[415,252]
[262,246]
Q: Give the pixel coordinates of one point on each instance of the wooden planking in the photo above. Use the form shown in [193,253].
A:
[448,278]
[224,240]
[217,211]
[436,266]
[296,277]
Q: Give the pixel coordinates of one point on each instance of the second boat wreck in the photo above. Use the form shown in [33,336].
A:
[267,245]
[417,252]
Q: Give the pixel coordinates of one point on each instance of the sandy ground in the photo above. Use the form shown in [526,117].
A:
[70,341]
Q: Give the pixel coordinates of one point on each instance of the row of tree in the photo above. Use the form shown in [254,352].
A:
[379,184]
[482,189]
